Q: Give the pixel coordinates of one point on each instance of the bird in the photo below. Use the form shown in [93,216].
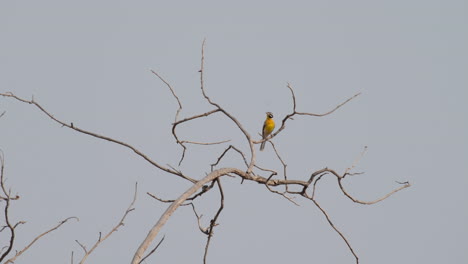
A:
[268,127]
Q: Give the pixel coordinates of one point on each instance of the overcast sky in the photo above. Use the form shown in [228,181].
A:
[89,62]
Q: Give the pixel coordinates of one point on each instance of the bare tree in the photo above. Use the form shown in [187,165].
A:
[283,186]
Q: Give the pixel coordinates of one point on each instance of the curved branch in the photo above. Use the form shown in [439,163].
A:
[173,207]
[405,185]
[330,222]
[331,111]
[173,93]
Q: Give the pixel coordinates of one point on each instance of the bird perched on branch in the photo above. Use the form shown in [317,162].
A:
[268,127]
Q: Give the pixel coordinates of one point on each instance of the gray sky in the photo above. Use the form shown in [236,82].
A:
[89,62]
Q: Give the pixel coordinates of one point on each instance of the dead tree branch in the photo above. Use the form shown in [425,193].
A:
[12,260]
[74,127]
[116,227]
[224,153]
[173,207]
[7,198]
[153,250]
[173,93]
[203,230]
[215,218]
[330,222]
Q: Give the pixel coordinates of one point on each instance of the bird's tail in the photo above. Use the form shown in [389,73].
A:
[262,146]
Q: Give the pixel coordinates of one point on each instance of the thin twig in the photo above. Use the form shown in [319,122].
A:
[175,124]
[82,246]
[406,185]
[201,71]
[153,250]
[280,193]
[330,222]
[213,221]
[12,260]
[173,93]
[203,230]
[205,143]
[119,224]
[219,108]
[355,161]
[225,151]
[282,162]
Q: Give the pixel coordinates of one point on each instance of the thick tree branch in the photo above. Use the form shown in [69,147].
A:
[173,207]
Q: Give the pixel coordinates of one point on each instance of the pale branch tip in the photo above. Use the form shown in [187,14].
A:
[173,93]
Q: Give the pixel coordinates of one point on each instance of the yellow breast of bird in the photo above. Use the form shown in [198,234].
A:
[269,126]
